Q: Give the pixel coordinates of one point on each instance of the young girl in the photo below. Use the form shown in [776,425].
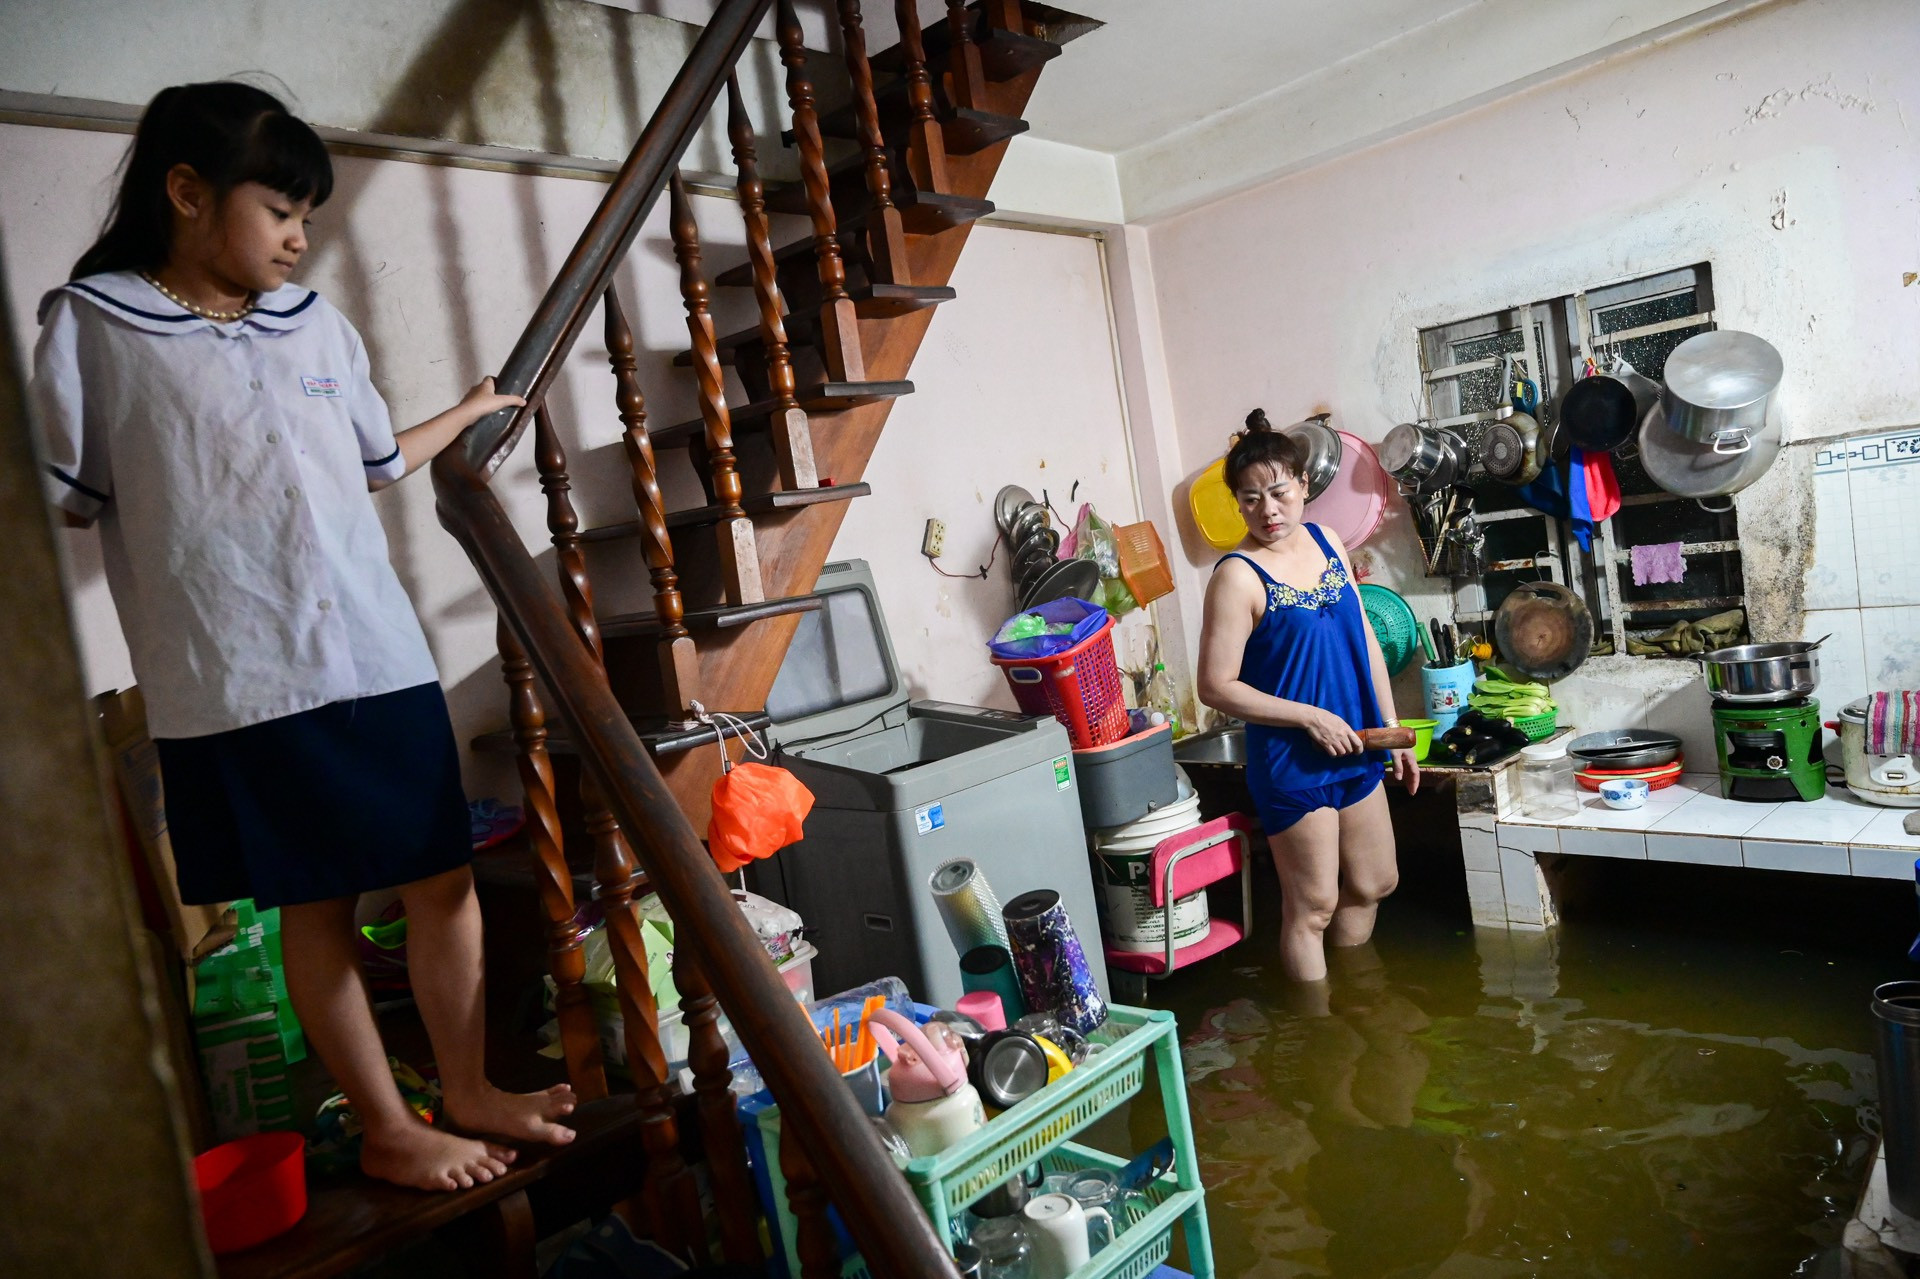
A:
[221,426]
[1285,646]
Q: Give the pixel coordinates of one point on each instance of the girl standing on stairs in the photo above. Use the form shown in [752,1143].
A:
[221,426]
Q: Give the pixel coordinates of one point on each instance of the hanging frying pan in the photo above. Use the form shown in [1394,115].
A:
[1543,631]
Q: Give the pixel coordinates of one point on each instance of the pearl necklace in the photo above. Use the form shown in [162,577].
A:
[204,312]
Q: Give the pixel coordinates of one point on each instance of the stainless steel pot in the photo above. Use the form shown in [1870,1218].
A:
[1323,451]
[1699,471]
[1718,388]
[1893,780]
[1423,459]
[1763,672]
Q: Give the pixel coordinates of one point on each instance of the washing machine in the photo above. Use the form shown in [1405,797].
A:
[901,786]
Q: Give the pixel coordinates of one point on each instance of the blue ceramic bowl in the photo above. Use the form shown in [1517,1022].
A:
[1623,792]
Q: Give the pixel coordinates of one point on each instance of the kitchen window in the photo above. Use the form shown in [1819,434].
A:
[1463,367]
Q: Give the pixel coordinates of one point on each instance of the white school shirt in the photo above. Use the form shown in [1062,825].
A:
[229,466]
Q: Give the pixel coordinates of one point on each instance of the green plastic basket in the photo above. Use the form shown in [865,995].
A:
[1394,625]
[1538,727]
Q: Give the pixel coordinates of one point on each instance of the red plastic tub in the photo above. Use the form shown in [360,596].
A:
[1079,687]
[252,1189]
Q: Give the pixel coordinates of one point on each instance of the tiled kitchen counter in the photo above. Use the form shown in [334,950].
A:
[1687,822]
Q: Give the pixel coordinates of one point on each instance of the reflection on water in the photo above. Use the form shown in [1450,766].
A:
[1461,1103]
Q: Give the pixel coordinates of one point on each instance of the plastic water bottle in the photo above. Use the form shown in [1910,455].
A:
[1161,698]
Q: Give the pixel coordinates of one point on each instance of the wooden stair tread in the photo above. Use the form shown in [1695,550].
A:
[718,617]
[352,1219]
[766,504]
[803,327]
[826,397]
[1003,55]
[660,737]
[964,131]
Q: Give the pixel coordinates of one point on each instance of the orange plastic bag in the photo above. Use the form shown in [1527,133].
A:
[757,811]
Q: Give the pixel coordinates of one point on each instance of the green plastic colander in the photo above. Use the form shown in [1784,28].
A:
[1394,625]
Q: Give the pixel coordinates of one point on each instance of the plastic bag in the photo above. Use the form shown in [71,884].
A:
[1093,540]
[1016,639]
[757,811]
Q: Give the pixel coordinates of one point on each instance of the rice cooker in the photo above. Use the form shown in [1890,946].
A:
[1893,780]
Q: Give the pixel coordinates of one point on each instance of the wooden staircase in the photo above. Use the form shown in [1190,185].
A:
[841,314]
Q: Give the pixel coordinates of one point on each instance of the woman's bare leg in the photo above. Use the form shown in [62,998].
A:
[1369,869]
[1307,857]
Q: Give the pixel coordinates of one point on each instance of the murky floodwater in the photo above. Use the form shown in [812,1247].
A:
[1678,1081]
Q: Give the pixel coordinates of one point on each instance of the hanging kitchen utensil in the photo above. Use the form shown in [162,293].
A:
[1645,391]
[1356,501]
[1005,503]
[1702,471]
[1719,386]
[1393,623]
[1324,451]
[1503,454]
[1543,631]
[1422,458]
[1079,579]
[1216,513]
[1597,413]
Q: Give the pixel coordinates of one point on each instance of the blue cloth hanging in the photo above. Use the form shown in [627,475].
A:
[1578,501]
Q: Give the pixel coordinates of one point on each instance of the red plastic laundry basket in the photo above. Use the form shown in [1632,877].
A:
[1080,688]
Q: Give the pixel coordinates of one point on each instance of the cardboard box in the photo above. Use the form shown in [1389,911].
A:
[194,930]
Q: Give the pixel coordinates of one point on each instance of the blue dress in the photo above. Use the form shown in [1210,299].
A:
[1310,646]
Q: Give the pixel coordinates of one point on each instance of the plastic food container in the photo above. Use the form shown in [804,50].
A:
[1545,782]
[251,1189]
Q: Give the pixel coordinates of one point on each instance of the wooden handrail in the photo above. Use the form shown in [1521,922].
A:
[816,1106]
[570,299]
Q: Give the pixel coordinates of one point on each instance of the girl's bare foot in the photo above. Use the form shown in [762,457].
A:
[515,1116]
[416,1154]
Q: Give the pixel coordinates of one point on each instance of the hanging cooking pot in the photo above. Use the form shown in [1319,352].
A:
[1719,386]
[1646,391]
[1597,413]
[1702,471]
[1543,630]
[1423,458]
[1324,451]
[1510,448]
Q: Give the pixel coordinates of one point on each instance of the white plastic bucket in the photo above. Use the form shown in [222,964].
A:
[1124,893]
[1182,814]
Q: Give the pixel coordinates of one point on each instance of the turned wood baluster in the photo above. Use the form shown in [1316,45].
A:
[679,665]
[966,78]
[818,1249]
[579,1037]
[733,1192]
[564,526]
[886,236]
[672,1199]
[839,326]
[740,561]
[926,144]
[792,437]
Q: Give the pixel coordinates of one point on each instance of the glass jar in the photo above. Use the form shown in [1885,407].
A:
[1544,782]
[1006,1248]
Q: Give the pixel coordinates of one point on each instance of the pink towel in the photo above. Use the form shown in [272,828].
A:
[1660,562]
[1893,723]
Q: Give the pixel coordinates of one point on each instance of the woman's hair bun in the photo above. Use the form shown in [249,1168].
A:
[1257,421]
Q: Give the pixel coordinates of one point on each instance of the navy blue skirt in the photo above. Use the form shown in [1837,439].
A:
[332,802]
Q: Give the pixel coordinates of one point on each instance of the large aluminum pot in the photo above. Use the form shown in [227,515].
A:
[1763,672]
[1718,387]
[1701,471]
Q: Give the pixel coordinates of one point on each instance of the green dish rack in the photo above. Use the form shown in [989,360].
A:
[1037,1131]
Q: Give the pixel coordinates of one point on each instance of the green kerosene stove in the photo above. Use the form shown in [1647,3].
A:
[1770,752]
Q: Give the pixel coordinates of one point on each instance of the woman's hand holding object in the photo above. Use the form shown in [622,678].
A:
[1332,734]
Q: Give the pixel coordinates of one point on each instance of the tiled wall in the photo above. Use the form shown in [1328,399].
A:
[1864,586]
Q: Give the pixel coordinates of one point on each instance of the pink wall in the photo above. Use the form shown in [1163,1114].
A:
[1305,294]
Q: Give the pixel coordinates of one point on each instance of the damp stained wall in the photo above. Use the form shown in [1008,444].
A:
[1778,145]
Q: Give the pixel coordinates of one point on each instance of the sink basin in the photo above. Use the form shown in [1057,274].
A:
[1223,747]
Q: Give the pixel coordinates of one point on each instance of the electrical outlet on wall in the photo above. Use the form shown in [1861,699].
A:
[934,541]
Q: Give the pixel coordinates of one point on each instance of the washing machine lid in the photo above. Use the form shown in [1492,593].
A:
[839,678]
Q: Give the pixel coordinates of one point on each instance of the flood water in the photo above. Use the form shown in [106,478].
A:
[1676,1081]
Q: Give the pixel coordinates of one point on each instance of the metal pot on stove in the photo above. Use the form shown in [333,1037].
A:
[1758,673]
[1893,780]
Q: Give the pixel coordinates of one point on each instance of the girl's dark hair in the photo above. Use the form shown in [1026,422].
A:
[228,133]
[1261,445]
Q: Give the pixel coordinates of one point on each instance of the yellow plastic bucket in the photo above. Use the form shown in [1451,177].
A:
[1215,512]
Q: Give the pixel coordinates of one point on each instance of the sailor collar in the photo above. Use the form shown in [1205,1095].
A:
[130,299]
